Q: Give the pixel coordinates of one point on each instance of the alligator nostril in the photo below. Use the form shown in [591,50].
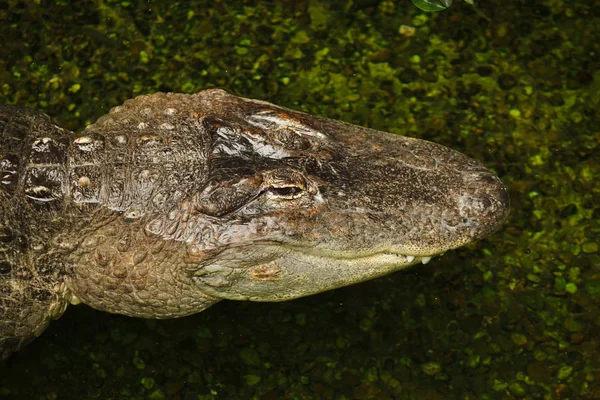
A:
[494,201]
[485,203]
[492,189]
[487,179]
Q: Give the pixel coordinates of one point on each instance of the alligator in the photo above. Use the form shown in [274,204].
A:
[172,202]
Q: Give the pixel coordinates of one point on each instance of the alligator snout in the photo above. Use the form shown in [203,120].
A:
[486,204]
[411,196]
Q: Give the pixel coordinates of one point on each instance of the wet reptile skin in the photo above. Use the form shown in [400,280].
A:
[173,202]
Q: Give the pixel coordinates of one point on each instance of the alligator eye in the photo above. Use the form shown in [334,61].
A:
[286,192]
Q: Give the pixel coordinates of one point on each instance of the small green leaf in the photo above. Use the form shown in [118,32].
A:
[432,5]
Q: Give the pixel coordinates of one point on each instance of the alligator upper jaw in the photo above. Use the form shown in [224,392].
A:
[380,257]
[399,258]
[373,191]
[408,197]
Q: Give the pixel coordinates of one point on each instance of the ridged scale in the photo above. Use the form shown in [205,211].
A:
[57,186]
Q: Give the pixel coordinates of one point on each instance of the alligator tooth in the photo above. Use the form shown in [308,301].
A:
[425,260]
[410,258]
[83,140]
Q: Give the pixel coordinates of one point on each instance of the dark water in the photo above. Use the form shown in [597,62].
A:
[514,84]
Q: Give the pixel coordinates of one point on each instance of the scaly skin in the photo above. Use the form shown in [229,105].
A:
[173,202]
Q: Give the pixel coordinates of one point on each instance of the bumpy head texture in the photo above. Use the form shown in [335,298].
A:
[172,202]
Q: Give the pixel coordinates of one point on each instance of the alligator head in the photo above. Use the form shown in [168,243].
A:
[290,204]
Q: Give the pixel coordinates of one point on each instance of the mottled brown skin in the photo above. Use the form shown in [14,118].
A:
[173,202]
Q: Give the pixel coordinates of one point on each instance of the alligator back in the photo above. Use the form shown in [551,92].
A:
[74,206]
[33,174]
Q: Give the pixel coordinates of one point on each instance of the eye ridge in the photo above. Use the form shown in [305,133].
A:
[291,140]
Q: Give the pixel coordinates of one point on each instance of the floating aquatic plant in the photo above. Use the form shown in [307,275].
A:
[435,5]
